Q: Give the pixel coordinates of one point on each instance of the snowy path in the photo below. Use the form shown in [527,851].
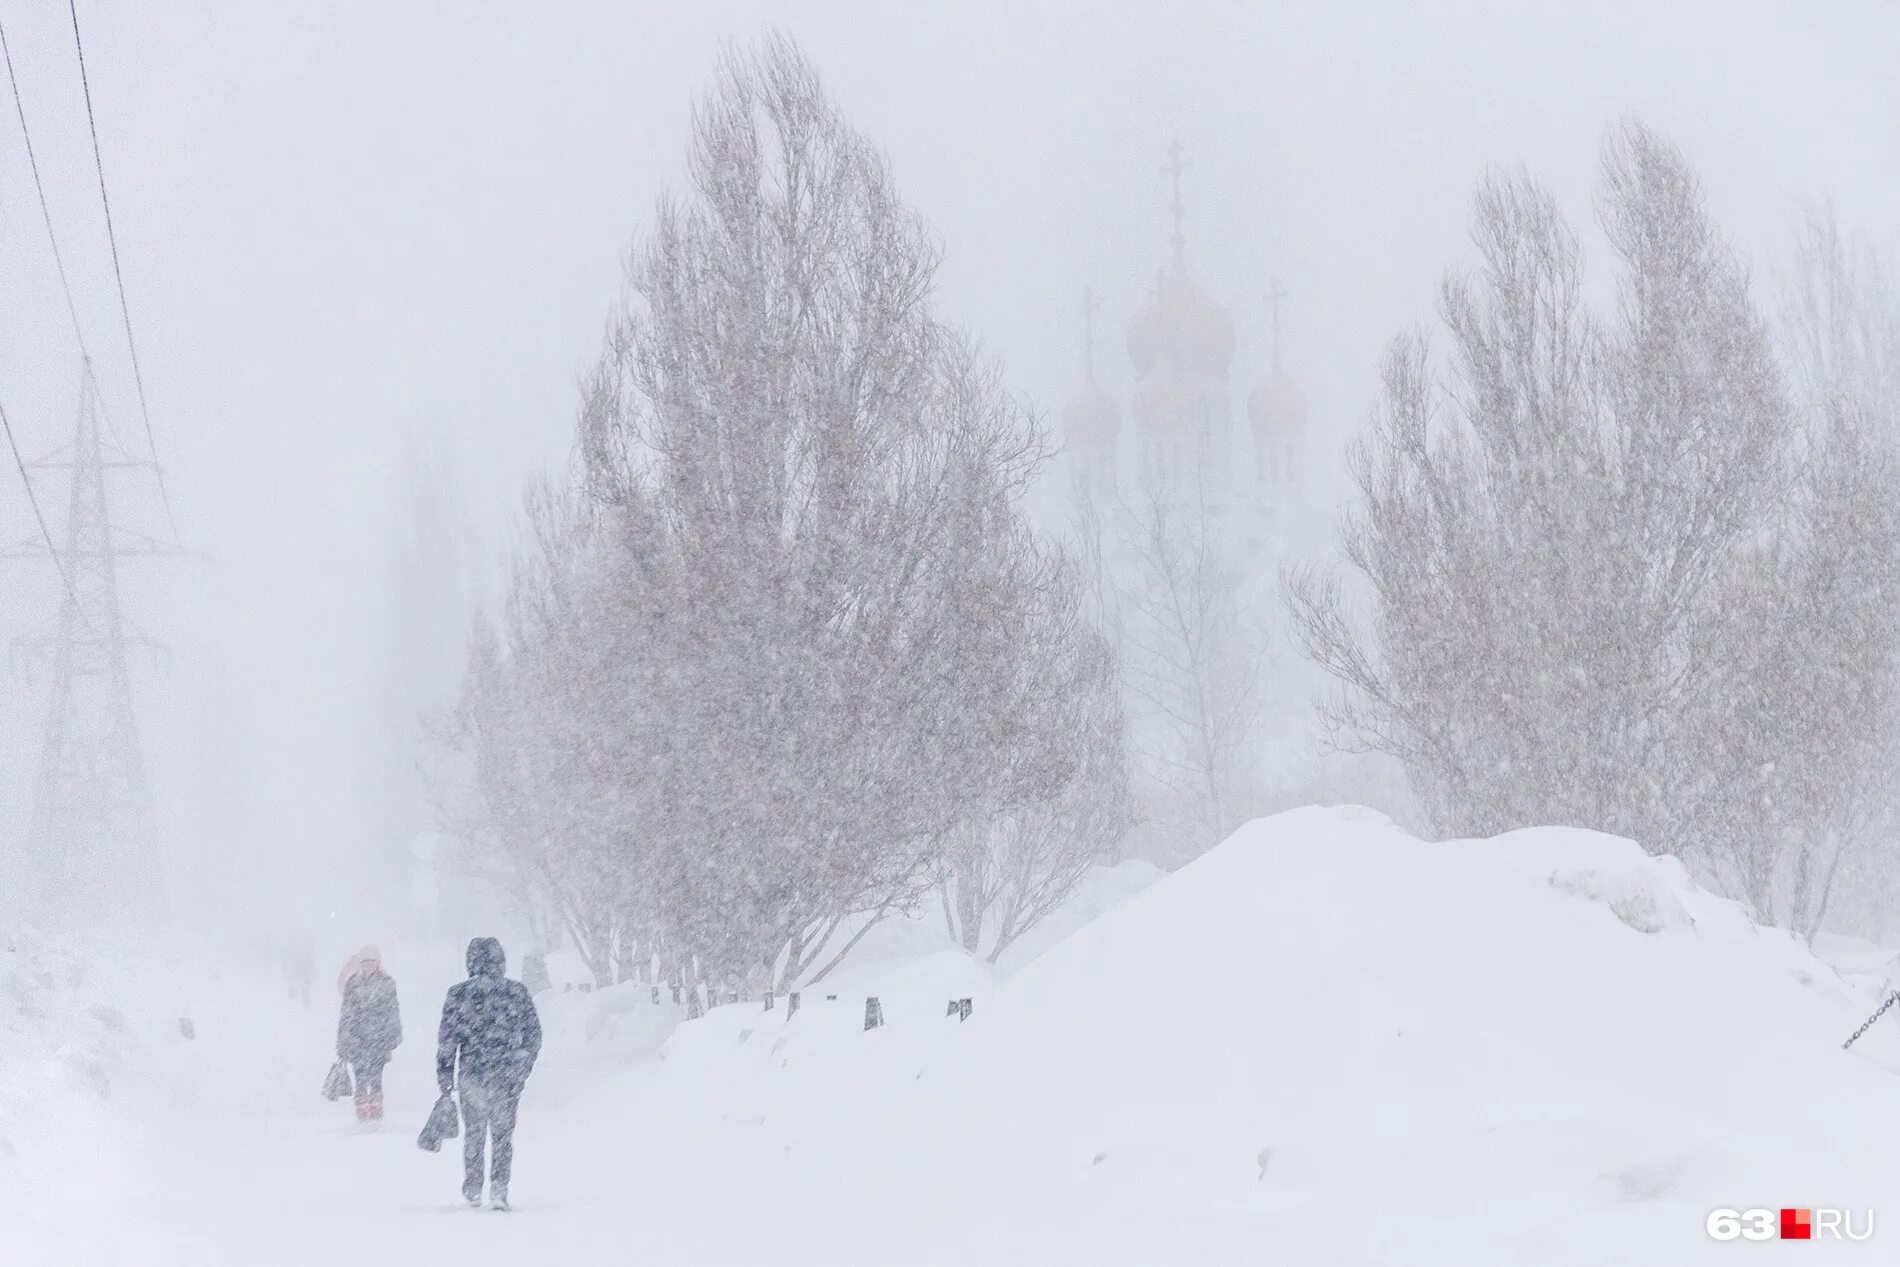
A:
[260,1170]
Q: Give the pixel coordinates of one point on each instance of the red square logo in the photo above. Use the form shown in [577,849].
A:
[1797,1225]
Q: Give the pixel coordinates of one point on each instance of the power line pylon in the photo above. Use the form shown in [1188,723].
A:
[91,849]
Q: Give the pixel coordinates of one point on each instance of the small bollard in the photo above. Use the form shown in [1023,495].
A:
[873,1013]
[791,1005]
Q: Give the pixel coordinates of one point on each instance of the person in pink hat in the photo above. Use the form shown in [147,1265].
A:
[369,1029]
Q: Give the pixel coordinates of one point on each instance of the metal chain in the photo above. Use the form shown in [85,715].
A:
[1869,1022]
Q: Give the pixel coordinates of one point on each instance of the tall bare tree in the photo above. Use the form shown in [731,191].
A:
[1840,339]
[786,650]
[1606,561]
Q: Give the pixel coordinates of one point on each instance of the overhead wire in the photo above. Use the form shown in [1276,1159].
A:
[46,218]
[39,187]
[72,310]
[118,273]
[33,500]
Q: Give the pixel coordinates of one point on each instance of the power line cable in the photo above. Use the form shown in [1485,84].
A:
[118,273]
[46,218]
[33,500]
[39,186]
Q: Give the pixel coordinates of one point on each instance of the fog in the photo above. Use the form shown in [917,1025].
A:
[353,228]
[1393,695]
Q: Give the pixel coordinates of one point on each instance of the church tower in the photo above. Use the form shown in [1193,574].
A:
[1205,506]
[1091,425]
[1182,345]
[1276,409]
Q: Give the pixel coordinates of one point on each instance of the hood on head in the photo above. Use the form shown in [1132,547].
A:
[485,958]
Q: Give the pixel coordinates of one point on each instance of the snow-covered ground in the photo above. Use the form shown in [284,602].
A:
[1323,1043]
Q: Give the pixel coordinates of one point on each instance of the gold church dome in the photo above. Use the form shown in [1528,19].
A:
[1277,403]
[1182,328]
[1164,402]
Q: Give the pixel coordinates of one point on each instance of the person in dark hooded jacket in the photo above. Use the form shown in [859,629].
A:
[369,1029]
[487,1046]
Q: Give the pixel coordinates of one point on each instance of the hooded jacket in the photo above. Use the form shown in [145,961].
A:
[490,1031]
[370,1025]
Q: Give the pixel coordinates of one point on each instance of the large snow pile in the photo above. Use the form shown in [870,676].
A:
[1327,1041]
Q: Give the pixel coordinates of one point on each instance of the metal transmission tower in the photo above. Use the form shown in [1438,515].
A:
[92,851]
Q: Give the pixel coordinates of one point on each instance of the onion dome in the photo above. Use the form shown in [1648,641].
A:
[1183,329]
[1277,404]
[1164,403]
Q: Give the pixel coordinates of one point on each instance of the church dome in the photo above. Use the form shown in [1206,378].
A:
[1277,404]
[1091,418]
[1163,402]
[1183,328]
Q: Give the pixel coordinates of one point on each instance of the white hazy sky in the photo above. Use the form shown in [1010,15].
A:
[345,221]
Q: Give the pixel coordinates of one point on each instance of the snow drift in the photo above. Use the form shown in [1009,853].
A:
[1327,1041]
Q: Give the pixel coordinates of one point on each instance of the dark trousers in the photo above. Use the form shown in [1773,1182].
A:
[488,1116]
[368,1072]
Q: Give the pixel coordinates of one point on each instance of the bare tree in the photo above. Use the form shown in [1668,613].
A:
[788,640]
[1193,659]
[1002,876]
[1606,563]
[537,704]
[1840,339]
[1840,326]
